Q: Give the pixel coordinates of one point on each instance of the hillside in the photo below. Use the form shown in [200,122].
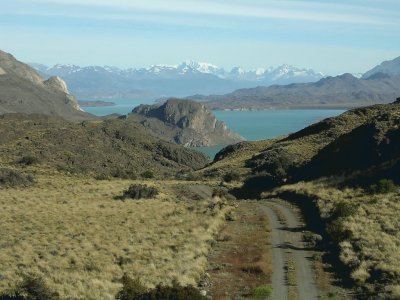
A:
[357,140]
[23,90]
[110,148]
[343,173]
[342,91]
[389,68]
[184,122]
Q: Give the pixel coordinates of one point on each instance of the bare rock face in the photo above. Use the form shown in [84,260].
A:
[184,122]
[57,84]
[23,90]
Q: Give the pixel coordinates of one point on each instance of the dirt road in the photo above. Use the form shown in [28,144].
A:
[292,269]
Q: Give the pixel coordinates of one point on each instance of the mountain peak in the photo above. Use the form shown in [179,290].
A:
[389,67]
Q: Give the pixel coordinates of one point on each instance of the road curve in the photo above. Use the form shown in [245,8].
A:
[287,241]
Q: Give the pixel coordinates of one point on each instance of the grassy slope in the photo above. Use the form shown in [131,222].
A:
[72,232]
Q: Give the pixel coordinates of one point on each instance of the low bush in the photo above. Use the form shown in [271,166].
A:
[133,289]
[28,160]
[383,186]
[337,231]
[262,292]
[12,178]
[32,287]
[139,191]
[124,174]
[231,176]
[147,174]
[344,210]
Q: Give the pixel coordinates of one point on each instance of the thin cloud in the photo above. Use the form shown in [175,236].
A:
[304,11]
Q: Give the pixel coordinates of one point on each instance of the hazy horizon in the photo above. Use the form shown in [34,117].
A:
[332,37]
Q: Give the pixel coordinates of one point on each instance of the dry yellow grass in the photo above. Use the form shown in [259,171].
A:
[372,249]
[236,161]
[73,233]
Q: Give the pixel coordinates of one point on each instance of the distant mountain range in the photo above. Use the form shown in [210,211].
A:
[180,80]
[379,85]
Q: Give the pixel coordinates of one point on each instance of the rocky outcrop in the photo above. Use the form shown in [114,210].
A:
[23,90]
[184,122]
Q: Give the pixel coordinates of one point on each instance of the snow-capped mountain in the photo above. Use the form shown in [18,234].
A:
[179,80]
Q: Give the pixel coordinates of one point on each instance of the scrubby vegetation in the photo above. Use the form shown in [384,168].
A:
[14,178]
[109,148]
[231,176]
[133,289]
[28,160]
[384,186]
[262,292]
[147,174]
[139,191]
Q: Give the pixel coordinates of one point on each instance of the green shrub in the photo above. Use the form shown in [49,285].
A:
[337,231]
[147,174]
[262,292]
[344,209]
[231,176]
[139,191]
[28,160]
[33,287]
[133,289]
[124,174]
[383,186]
[12,178]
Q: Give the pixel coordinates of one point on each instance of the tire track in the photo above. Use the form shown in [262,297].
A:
[287,241]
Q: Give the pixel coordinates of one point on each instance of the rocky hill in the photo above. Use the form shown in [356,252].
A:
[115,148]
[340,91]
[184,122]
[23,90]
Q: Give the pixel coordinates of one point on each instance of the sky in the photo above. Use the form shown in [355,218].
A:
[331,36]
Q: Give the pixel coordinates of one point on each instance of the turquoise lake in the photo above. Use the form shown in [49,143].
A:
[252,125]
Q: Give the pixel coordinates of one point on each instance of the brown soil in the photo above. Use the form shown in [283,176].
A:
[241,259]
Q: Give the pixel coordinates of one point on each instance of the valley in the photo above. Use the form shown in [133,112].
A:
[121,206]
